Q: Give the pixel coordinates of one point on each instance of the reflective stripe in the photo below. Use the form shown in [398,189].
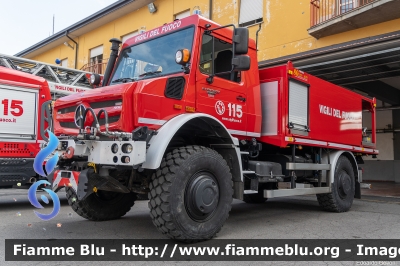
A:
[244,133]
[237,132]
[253,134]
[310,141]
[340,145]
[151,121]
[323,143]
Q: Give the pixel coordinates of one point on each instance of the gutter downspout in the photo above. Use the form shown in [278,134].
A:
[210,3]
[76,49]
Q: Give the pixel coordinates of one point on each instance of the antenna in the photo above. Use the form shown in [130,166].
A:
[53,24]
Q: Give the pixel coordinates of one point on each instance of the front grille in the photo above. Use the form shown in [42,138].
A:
[110,103]
[68,124]
[102,122]
[111,119]
[67,110]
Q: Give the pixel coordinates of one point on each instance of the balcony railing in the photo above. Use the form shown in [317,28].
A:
[325,10]
[98,67]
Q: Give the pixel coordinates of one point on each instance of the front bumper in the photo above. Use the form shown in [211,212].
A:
[100,152]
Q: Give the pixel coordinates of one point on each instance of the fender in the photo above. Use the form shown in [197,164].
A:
[159,142]
[333,158]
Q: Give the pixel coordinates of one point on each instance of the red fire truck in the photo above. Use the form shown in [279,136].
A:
[186,115]
[26,90]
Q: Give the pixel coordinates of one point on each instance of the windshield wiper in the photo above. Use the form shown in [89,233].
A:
[123,80]
[150,73]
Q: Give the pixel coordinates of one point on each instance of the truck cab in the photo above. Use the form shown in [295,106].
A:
[184,117]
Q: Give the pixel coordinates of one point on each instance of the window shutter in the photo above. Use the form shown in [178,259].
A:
[251,12]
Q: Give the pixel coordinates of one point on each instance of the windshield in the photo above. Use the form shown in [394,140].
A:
[153,58]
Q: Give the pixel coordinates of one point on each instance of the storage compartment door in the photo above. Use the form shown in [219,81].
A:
[298,108]
[17,112]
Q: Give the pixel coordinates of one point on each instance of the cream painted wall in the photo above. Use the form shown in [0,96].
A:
[283,31]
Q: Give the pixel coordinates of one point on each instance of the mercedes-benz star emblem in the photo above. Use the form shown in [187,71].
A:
[79,112]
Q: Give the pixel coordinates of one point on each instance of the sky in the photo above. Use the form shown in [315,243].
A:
[24,23]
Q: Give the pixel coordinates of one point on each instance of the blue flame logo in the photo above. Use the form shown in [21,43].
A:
[32,198]
[41,156]
[38,167]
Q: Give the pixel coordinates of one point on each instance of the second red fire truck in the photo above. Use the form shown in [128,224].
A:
[186,115]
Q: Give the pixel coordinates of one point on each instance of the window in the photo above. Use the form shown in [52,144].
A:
[183,14]
[64,62]
[152,58]
[96,59]
[347,5]
[251,12]
[129,35]
[222,60]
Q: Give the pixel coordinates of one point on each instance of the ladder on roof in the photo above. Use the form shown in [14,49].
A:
[62,81]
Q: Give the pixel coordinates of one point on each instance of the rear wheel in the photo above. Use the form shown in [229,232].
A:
[191,194]
[343,188]
[101,205]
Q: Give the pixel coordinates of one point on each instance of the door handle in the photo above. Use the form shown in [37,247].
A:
[240,98]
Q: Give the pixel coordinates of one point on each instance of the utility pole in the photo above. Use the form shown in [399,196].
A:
[53,24]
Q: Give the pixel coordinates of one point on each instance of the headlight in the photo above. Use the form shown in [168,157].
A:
[127,148]
[114,148]
[125,159]
[178,56]
[95,79]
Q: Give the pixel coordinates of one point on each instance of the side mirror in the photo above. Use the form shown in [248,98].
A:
[241,62]
[241,39]
[95,79]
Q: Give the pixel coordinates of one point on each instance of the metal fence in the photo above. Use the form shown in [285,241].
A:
[324,10]
[98,67]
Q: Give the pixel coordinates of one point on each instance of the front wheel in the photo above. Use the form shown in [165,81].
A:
[101,205]
[191,194]
[343,188]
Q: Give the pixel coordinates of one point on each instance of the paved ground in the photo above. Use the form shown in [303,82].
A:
[300,217]
[385,189]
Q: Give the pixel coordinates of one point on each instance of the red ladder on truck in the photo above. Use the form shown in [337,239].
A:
[22,93]
[62,81]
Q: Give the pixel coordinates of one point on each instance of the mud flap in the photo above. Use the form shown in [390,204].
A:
[84,187]
[357,193]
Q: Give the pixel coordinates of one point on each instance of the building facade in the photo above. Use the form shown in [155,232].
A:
[352,43]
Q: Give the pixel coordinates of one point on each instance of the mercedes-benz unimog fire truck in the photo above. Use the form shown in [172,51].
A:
[186,115]
[25,85]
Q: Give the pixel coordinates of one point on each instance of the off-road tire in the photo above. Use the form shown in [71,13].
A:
[142,197]
[173,184]
[343,188]
[96,208]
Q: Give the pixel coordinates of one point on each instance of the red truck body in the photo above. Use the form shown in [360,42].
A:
[187,117]
[22,97]
[335,113]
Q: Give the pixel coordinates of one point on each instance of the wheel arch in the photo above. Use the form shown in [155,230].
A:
[334,157]
[210,131]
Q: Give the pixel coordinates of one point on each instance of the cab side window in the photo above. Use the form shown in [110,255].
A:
[220,57]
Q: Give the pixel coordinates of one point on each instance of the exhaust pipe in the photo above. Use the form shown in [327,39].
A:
[111,61]
[32,180]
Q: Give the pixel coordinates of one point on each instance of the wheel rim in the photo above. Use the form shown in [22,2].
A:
[201,196]
[344,184]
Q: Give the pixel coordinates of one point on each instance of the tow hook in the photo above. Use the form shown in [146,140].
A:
[68,154]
